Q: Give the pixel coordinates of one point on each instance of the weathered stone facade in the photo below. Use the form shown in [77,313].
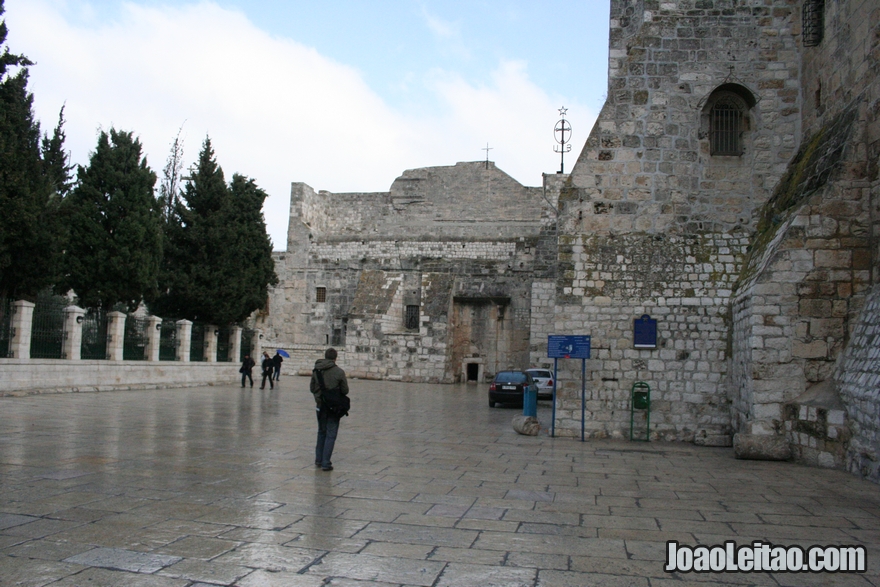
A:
[457,248]
[729,189]
[755,263]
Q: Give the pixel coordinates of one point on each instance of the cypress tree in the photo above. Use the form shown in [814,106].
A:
[218,258]
[29,227]
[115,228]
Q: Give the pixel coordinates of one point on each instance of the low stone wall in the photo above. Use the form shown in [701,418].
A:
[31,376]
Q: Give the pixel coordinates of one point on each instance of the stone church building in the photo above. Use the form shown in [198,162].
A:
[729,190]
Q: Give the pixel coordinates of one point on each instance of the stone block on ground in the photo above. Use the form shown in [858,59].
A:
[526,425]
[761,447]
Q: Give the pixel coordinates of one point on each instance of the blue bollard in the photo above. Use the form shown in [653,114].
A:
[530,401]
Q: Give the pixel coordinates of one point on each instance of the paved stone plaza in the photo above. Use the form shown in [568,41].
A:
[431,487]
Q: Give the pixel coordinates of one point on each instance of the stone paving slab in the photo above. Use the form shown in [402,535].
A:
[214,486]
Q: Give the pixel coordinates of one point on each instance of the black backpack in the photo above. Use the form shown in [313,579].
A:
[333,400]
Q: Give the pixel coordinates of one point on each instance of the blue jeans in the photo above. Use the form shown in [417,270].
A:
[328,427]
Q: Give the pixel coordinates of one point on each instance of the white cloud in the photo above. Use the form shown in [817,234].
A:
[276,110]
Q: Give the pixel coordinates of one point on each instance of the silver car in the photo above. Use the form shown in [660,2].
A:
[544,379]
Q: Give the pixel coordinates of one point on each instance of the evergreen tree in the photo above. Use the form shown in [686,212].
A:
[218,258]
[29,224]
[115,226]
[56,161]
[169,188]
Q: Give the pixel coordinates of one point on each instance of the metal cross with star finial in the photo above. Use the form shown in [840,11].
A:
[563,136]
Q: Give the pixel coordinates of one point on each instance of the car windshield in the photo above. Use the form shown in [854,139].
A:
[540,373]
[511,377]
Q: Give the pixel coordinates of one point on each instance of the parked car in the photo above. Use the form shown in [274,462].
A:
[544,379]
[508,387]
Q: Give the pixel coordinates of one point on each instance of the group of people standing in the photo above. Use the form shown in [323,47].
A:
[326,375]
[271,367]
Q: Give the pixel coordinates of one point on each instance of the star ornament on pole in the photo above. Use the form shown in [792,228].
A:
[562,132]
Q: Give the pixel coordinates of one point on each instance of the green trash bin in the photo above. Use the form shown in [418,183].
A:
[640,399]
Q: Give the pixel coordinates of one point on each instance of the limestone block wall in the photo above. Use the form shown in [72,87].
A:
[543,322]
[792,319]
[27,376]
[378,346]
[389,253]
[858,381]
[646,166]
[814,254]
[429,202]
[685,282]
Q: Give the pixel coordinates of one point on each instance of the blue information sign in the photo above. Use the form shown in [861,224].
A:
[568,347]
[645,332]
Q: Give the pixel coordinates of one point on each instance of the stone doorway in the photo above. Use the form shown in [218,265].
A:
[472,370]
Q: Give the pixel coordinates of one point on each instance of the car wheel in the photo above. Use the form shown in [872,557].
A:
[491,404]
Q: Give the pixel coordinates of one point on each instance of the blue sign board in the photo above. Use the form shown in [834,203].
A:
[645,332]
[568,347]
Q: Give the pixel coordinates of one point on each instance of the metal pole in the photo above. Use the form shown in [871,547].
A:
[555,383]
[583,396]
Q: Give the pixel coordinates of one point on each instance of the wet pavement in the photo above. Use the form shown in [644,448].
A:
[431,487]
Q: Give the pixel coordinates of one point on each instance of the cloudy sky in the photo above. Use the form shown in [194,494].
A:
[343,95]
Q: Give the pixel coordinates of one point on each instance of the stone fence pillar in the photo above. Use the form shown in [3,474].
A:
[72,347]
[154,336]
[211,332]
[115,335]
[184,339]
[235,344]
[257,345]
[22,322]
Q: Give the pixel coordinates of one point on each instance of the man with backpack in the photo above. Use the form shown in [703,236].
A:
[330,389]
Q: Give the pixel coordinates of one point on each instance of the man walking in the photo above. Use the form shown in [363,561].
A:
[247,366]
[276,361]
[268,368]
[326,375]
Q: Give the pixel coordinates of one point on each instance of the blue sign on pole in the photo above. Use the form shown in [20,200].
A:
[568,347]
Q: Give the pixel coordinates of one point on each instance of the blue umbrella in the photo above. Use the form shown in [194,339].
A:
[283,353]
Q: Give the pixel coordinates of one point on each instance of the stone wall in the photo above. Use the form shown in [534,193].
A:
[685,283]
[858,381]
[813,259]
[28,376]
[652,223]
[462,243]
[646,165]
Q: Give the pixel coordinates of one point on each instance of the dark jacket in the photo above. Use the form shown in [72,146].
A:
[267,365]
[277,360]
[247,365]
[333,377]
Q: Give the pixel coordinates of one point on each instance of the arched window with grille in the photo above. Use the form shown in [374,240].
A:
[726,127]
[726,120]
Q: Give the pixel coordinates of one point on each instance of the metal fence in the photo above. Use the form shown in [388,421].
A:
[94,335]
[6,308]
[223,346]
[47,332]
[247,343]
[197,344]
[168,341]
[134,343]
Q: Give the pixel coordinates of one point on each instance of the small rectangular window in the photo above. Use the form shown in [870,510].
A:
[412,317]
[814,22]
[726,129]
[321,295]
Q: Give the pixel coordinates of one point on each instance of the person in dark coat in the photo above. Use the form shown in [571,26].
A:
[276,361]
[247,366]
[328,424]
[268,367]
